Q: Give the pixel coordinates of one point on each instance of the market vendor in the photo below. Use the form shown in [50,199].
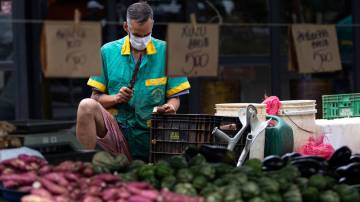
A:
[118,115]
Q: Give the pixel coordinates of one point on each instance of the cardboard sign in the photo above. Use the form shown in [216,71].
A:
[193,50]
[315,48]
[71,50]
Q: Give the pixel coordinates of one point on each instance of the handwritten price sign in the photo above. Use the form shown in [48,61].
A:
[316,48]
[71,52]
[193,50]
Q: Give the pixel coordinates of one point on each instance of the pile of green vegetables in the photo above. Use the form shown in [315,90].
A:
[290,178]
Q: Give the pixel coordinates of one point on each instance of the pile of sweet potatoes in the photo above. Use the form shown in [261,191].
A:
[76,181]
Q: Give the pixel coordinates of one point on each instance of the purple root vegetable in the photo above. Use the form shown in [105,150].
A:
[2,168]
[66,166]
[122,200]
[52,187]
[62,199]
[88,171]
[150,194]
[34,198]
[123,193]
[139,185]
[72,177]
[45,169]
[18,164]
[22,179]
[137,198]
[95,190]
[106,177]
[10,184]
[7,171]
[174,197]
[75,195]
[57,178]
[26,189]
[41,192]
[110,194]
[89,198]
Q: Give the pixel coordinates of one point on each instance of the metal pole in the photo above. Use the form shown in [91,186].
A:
[19,31]
[356,45]
[275,37]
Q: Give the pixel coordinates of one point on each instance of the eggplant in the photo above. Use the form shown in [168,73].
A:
[351,170]
[273,162]
[349,180]
[355,158]
[307,167]
[356,186]
[216,154]
[289,156]
[340,157]
[190,152]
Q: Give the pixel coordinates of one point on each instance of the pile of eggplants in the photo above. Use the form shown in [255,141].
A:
[342,165]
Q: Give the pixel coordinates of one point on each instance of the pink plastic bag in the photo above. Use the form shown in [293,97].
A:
[316,146]
[273,105]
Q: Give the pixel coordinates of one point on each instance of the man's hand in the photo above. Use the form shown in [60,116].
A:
[166,109]
[124,95]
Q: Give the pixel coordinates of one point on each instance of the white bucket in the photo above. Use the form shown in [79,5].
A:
[300,116]
[232,110]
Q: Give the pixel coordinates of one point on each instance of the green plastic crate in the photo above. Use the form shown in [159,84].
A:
[341,105]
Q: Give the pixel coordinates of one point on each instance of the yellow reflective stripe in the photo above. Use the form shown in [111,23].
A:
[150,48]
[125,49]
[100,86]
[156,82]
[177,89]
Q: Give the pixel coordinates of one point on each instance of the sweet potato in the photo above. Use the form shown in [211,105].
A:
[95,190]
[106,177]
[57,178]
[137,198]
[10,184]
[150,194]
[32,159]
[2,168]
[21,179]
[18,164]
[75,195]
[88,171]
[123,193]
[25,189]
[139,185]
[7,171]
[34,198]
[109,194]
[92,199]
[41,192]
[45,169]
[52,187]
[66,166]
[71,176]
[62,199]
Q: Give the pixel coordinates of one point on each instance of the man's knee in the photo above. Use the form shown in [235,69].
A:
[88,106]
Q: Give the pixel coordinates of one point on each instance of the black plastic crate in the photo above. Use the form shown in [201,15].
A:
[172,134]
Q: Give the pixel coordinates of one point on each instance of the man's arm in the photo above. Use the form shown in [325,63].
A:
[171,106]
[108,101]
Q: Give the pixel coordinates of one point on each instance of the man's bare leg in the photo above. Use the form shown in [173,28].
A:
[90,123]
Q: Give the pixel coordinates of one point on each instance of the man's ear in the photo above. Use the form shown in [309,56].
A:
[126,27]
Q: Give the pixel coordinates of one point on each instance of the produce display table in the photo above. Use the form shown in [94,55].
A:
[340,132]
